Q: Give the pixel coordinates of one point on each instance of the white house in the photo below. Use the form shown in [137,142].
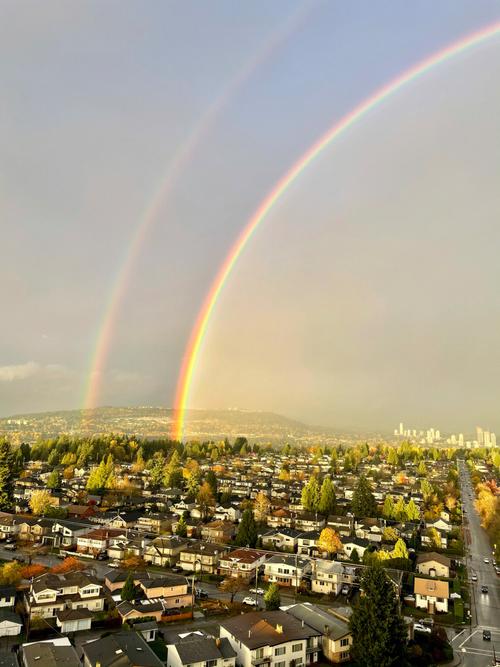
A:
[431,594]
[201,651]
[286,570]
[10,623]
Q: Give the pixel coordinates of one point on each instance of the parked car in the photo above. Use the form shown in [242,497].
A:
[10,547]
[10,540]
[200,593]
[484,589]
[487,635]
[177,569]
[487,560]
[102,555]
[259,591]
[474,577]
[114,564]
[418,627]
[428,621]
[251,602]
[345,589]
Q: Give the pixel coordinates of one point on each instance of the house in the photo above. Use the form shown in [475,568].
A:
[124,519]
[194,651]
[80,511]
[307,521]
[285,539]
[326,576]
[49,653]
[9,526]
[343,525]
[172,588]
[7,597]
[98,540]
[433,564]
[336,637]
[151,608]
[227,512]
[10,623]
[369,530]
[354,544]
[201,557]
[52,593]
[281,518]
[307,543]
[64,534]
[218,531]
[431,594]
[154,522]
[286,570]
[242,563]
[123,649]
[427,538]
[271,638]
[440,524]
[164,551]
[73,620]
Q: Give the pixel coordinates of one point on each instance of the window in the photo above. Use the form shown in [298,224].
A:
[282,663]
[281,650]
[440,599]
[344,655]
[296,647]
[344,642]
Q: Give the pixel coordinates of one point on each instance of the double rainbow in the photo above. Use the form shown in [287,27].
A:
[198,333]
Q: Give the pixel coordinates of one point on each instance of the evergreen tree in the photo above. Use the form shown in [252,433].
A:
[247,531]
[128,590]
[363,502]
[272,597]
[400,550]
[378,630]
[211,479]
[181,528]
[310,495]
[327,497]
[399,512]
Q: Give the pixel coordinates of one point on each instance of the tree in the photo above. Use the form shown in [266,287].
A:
[181,528]
[40,502]
[363,502]
[388,509]
[128,590]
[399,512]
[32,571]
[434,537]
[392,457]
[327,497]
[211,480]
[6,475]
[232,585]
[400,550]
[10,573]
[205,500]
[311,495]
[247,531]
[422,470]
[53,480]
[272,597]
[389,535]
[329,541]
[262,506]
[69,564]
[354,556]
[378,630]
[411,510]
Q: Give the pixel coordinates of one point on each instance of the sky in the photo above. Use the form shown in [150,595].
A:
[368,296]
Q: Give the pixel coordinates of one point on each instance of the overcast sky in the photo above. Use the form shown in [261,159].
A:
[369,295]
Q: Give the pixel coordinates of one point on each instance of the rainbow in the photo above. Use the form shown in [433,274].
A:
[199,330]
[183,155]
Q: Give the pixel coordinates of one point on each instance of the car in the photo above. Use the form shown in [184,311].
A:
[114,564]
[345,589]
[102,555]
[10,547]
[200,593]
[259,591]
[428,621]
[474,577]
[497,569]
[487,635]
[177,569]
[487,560]
[10,540]
[251,602]
[418,627]
[484,589]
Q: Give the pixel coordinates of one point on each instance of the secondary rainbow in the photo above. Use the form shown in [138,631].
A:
[195,342]
[180,160]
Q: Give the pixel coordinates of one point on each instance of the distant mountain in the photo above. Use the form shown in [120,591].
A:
[154,422]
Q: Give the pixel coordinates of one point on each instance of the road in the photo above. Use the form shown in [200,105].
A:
[485,608]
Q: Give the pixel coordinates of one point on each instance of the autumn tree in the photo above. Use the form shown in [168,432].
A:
[389,534]
[329,542]
[411,510]
[377,627]
[10,573]
[205,500]
[32,571]
[388,509]
[262,507]
[69,564]
[232,585]
[40,502]
[434,537]
[400,550]
[53,480]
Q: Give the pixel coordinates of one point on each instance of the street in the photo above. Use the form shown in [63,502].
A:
[485,607]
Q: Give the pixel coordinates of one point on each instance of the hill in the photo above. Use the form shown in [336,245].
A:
[155,422]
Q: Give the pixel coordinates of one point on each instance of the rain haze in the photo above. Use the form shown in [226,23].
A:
[368,295]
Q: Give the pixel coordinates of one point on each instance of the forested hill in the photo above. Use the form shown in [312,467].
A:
[156,422]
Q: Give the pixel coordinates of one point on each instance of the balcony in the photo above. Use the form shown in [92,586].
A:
[264,660]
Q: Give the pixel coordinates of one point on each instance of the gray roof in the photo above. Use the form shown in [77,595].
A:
[9,615]
[48,655]
[264,628]
[319,619]
[121,649]
[203,649]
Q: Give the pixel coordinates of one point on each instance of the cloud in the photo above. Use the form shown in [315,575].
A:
[16,372]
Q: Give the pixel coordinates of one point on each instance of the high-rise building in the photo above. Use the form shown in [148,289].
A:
[401,428]
[493,440]
[486,438]
[479,435]
[461,439]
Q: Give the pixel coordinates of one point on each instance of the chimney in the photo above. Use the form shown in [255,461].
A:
[249,634]
[217,642]
[279,629]
[303,623]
